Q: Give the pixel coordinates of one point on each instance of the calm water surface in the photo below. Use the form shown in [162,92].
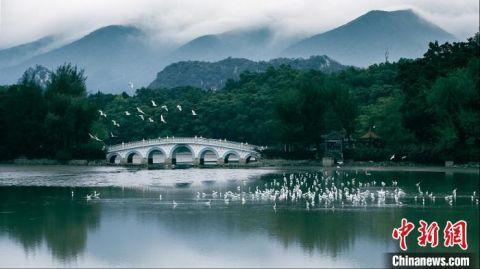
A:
[193,224]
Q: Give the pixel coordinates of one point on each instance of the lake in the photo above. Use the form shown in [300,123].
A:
[222,217]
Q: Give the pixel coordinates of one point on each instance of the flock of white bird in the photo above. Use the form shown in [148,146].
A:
[88,197]
[142,116]
[315,190]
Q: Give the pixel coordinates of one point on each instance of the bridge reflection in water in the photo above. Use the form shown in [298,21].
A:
[182,150]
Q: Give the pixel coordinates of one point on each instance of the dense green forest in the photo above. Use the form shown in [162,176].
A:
[427,109]
[214,75]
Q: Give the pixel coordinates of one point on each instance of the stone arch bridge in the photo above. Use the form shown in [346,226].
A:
[182,150]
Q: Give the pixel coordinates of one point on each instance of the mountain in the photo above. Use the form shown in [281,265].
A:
[255,44]
[116,55]
[213,75]
[112,57]
[367,39]
[18,54]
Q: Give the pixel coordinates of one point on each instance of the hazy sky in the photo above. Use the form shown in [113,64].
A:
[180,20]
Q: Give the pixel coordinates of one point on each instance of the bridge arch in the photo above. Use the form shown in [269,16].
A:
[134,157]
[208,155]
[156,155]
[114,158]
[250,158]
[231,156]
[182,154]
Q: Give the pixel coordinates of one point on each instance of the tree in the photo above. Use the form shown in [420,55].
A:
[70,115]
[454,100]
[23,111]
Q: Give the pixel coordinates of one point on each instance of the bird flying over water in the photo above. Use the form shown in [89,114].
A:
[162,119]
[179,107]
[153,103]
[165,107]
[127,113]
[102,113]
[150,119]
[392,157]
[115,123]
[140,111]
[193,113]
[141,116]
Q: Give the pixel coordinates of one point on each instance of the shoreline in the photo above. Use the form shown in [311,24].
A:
[271,163]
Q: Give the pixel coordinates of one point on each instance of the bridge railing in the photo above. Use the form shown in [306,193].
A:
[182,140]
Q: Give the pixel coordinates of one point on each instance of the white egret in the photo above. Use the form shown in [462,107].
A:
[141,116]
[179,107]
[127,113]
[102,113]
[95,137]
[164,107]
[392,157]
[153,103]
[140,111]
[112,135]
[193,113]
[162,119]
[150,119]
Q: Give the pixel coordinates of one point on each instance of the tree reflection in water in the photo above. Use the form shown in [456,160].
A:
[45,215]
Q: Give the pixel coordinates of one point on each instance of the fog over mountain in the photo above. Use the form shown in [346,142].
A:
[372,37]
[116,55]
[17,54]
[254,44]
[112,57]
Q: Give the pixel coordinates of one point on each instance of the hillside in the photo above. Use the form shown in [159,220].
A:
[213,75]
[112,57]
[254,44]
[367,39]
[15,55]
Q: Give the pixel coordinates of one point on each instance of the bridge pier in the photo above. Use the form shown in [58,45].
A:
[196,161]
[220,161]
[242,161]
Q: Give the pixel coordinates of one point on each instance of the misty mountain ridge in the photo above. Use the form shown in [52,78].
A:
[254,44]
[115,55]
[372,37]
[17,54]
[112,57]
[214,75]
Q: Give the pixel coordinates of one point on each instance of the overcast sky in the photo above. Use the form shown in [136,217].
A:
[180,20]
